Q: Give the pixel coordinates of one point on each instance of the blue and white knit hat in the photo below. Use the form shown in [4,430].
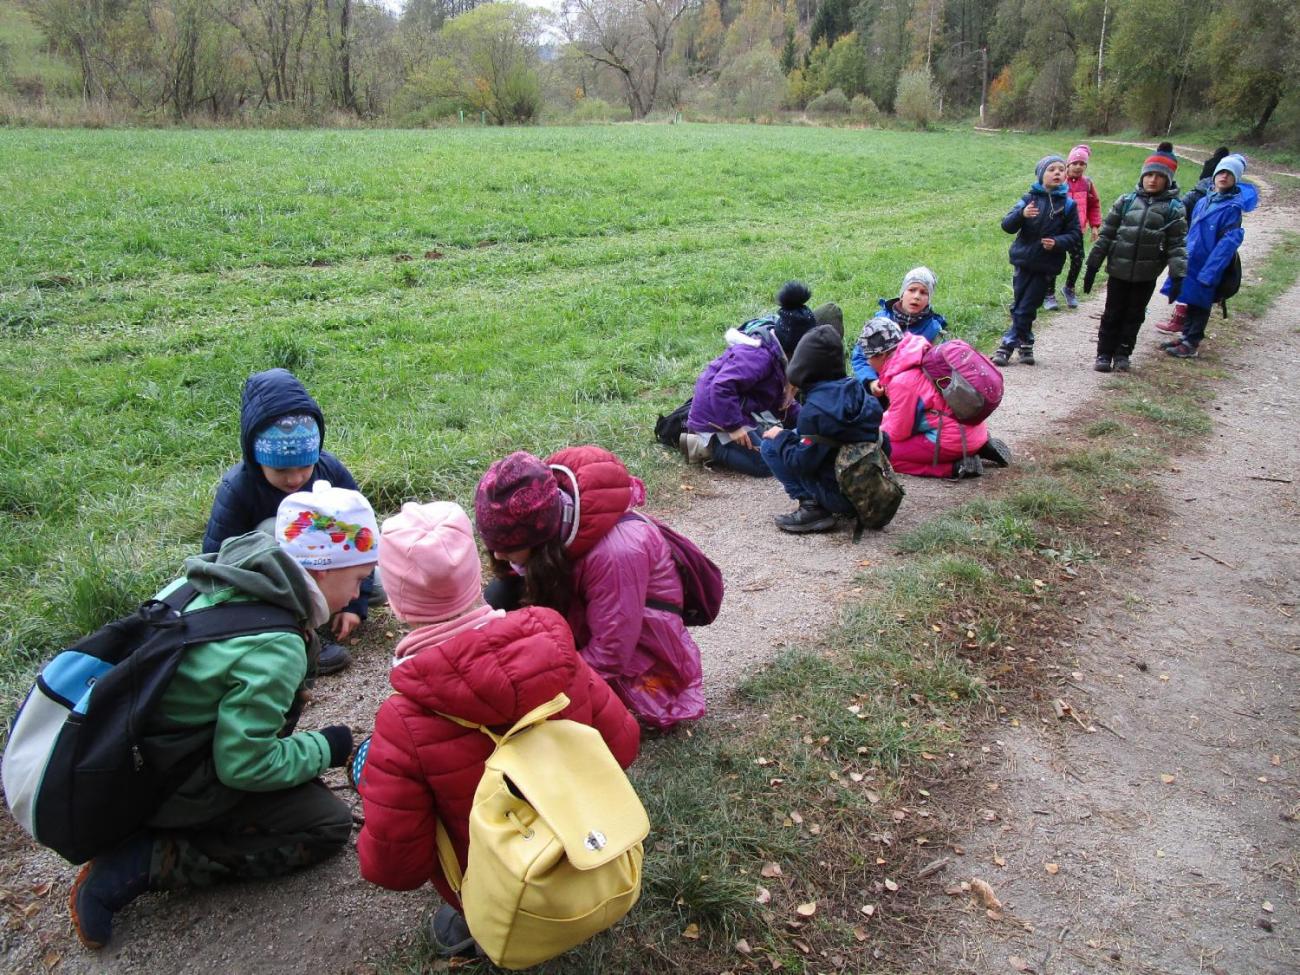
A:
[292,440]
[1234,163]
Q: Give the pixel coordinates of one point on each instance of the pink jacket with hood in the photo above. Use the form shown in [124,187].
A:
[917,409]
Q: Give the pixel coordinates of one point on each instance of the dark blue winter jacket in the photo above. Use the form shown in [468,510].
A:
[1057,218]
[245,498]
[838,409]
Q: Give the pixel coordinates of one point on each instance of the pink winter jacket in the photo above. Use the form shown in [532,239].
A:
[1086,201]
[917,408]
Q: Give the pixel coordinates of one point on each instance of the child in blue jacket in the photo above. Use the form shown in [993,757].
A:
[281,428]
[1212,241]
[837,408]
[1046,224]
[912,312]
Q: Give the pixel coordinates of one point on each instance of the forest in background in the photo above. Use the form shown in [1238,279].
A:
[1160,66]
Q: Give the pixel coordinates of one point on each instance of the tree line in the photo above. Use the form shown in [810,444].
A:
[1099,64]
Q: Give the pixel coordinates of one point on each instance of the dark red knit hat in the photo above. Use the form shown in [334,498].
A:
[517,504]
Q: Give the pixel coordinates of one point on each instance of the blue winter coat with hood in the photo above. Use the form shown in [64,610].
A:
[1212,240]
[245,498]
[1057,218]
[930,324]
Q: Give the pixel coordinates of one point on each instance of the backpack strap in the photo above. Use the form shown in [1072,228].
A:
[446,851]
[651,602]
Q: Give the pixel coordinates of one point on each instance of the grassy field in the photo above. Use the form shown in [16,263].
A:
[447,296]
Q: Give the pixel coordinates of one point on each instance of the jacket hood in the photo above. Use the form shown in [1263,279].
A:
[254,565]
[266,396]
[495,674]
[818,357]
[842,410]
[908,355]
[602,491]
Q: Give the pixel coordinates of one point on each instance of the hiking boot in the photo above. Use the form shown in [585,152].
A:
[333,658]
[1026,355]
[107,884]
[1049,302]
[1102,363]
[1170,343]
[1002,357]
[1121,363]
[808,517]
[1071,299]
[1181,351]
[1174,323]
[996,452]
[449,934]
[694,448]
[966,467]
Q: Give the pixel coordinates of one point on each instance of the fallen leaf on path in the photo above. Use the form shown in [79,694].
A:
[890,885]
[1019,964]
[1268,906]
[40,890]
[868,909]
[806,910]
[1052,868]
[984,892]
[796,818]
[1000,861]
[692,932]
[860,933]
[764,896]
[1166,778]
[743,947]
[771,869]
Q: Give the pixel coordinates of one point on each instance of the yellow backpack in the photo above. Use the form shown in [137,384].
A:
[555,840]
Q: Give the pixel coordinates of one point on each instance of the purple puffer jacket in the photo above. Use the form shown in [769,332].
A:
[645,655]
[745,379]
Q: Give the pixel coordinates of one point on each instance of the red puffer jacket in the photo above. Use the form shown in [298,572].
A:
[421,766]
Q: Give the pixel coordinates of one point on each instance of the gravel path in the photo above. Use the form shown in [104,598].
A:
[781,589]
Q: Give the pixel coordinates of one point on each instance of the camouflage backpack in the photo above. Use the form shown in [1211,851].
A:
[865,475]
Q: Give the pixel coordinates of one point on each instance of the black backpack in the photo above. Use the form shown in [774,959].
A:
[77,773]
[1229,284]
[669,429]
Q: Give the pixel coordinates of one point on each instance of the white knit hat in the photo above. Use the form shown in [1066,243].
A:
[328,528]
[922,274]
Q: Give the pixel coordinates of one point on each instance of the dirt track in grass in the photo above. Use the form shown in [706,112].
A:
[1216,817]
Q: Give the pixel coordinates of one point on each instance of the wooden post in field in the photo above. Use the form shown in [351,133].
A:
[984,84]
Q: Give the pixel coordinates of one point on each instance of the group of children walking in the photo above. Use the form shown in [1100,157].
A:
[585,595]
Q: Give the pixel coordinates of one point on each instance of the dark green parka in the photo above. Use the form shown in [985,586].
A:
[1142,233]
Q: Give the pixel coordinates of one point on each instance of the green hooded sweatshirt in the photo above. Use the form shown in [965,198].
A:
[242,688]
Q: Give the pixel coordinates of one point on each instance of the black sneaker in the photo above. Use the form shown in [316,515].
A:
[966,467]
[1026,355]
[449,934]
[333,658]
[995,451]
[107,884]
[1002,357]
[807,518]
[1102,363]
[1121,363]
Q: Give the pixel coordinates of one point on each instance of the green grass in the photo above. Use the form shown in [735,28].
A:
[1276,274]
[563,286]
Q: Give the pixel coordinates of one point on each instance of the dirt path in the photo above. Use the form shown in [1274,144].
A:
[1173,827]
[781,590]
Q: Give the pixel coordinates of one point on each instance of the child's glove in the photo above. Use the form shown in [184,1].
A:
[339,737]
[1088,278]
[1175,288]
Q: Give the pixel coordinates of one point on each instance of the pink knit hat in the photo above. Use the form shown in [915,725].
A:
[429,562]
[1080,153]
[517,504]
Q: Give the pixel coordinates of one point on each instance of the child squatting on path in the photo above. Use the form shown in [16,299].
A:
[562,534]
[1046,227]
[836,410]
[281,429]
[474,663]
[257,808]
[925,439]
[1213,238]
[1088,206]
[1145,230]
[912,311]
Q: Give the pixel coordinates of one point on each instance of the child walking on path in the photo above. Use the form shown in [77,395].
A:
[563,531]
[1213,238]
[281,429]
[912,311]
[1145,230]
[1046,227]
[836,408]
[255,808]
[1088,205]
[469,661]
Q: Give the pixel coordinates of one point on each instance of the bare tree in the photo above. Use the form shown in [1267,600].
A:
[632,38]
[274,32]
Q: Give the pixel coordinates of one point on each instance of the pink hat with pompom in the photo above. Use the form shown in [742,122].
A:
[1080,153]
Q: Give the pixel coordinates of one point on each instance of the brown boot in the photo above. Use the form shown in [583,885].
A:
[1175,321]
